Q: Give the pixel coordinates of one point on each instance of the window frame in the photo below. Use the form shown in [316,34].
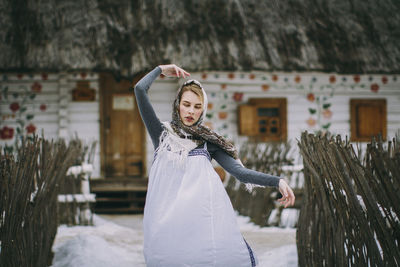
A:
[248,126]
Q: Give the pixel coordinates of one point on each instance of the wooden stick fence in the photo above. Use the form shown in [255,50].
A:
[350,215]
[29,185]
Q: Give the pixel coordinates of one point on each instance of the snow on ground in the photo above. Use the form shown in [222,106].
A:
[103,245]
[116,240]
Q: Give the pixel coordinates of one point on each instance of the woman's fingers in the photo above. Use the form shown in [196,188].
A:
[171,70]
[288,197]
[177,71]
[182,73]
[185,73]
[291,197]
[286,202]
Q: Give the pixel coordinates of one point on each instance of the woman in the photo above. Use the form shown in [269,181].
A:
[188,217]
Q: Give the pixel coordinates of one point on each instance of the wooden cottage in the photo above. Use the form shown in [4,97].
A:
[271,71]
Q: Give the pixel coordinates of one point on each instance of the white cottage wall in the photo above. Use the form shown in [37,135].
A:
[51,111]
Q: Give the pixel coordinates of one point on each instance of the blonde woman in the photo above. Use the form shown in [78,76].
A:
[188,216]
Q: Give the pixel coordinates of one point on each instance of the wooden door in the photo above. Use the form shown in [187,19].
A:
[123,137]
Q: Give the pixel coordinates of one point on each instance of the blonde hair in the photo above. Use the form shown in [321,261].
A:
[193,88]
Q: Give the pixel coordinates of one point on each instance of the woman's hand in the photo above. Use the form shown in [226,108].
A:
[171,70]
[287,194]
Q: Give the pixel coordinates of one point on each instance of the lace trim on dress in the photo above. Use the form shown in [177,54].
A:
[177,149]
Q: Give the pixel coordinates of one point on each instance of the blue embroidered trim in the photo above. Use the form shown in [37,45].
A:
[253,260]
[200,152]
[194,152]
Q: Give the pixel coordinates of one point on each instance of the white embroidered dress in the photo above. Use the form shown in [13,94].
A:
[188,216]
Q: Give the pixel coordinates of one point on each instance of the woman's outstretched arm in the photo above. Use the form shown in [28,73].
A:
[254,177]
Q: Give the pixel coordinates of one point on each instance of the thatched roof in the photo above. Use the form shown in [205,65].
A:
[346,36]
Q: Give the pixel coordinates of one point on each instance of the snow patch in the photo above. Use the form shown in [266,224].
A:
[78,169]
[285,256]
[89,251]
[80,198]
[102,245]
[246,225]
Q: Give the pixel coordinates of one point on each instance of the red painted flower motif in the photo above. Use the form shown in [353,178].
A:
[210,106]
[275,78]
[265,87]
[297,79]
[45,76]
[19,76]
[311,97]
[36,87]
[223,86]
[384,80]
[231,76]
[332,79]
[14,107]
[43,107]
[374,87]
[238,96]
[327,113]
[30,128]
[6,133]
[223,115]
[252,76]
[311,122]
[83,75]
[204,76]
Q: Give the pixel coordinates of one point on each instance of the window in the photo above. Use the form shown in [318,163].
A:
[367,119]
[264,119]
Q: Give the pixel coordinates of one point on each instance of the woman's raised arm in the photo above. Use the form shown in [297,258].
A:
[149,117]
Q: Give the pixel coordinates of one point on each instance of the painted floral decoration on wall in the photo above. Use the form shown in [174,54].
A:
[17,121]
[318,95]
[318,91]
[217,113]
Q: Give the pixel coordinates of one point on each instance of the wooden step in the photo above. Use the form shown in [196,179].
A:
[121,199]
[118,185]
[112,210]
[119,195]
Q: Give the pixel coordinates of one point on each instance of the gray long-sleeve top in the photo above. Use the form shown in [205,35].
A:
[155,128]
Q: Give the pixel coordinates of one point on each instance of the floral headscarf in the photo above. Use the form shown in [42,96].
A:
[198,132]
